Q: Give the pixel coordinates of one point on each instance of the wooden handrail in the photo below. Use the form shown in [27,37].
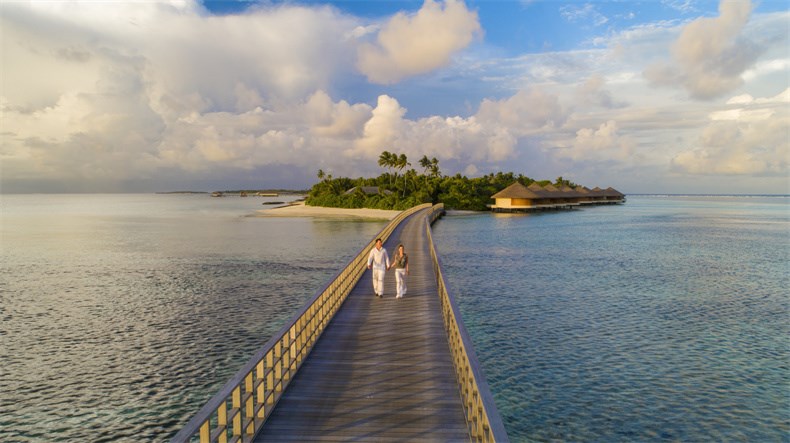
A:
[242,405]
[482,418]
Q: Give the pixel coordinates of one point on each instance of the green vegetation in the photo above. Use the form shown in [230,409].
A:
[264,191]
[401,190]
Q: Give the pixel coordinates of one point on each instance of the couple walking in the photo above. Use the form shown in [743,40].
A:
[379,262]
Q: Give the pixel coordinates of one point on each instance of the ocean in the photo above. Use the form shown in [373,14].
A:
[123,314]
[664,319]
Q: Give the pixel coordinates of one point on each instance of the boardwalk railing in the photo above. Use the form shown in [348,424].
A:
[238,410]
[482,417]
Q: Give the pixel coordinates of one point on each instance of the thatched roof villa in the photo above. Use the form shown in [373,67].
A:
[520,198]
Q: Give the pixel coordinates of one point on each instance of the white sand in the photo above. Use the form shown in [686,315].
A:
[301,210]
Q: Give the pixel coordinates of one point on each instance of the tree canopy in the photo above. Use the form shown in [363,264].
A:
[396,189]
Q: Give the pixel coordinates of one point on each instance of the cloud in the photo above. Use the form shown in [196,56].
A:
[343,120]
[685,6]
[710,55]
[752,137]
[593,92]
[586,13]
[412,45]
[278,53]
[153,93]
[383,130]
[464,140]
[526,112]
[142,88]
[603,144]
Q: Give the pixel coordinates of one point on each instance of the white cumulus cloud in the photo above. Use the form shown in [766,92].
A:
[410,45]
[526,112]
[753,138]
[711,54]
[603,144]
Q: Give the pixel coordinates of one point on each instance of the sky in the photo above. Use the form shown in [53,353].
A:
[659,96]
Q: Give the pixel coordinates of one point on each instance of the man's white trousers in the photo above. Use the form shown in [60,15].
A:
[378,281]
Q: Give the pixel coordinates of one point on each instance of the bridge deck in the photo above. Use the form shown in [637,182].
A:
[382,369]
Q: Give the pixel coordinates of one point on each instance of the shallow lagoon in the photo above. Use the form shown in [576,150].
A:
[661,319]
[664,319]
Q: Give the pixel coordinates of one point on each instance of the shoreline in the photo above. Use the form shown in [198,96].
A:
[299,209]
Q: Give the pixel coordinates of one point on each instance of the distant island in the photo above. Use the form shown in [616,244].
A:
[400,187]
[265,191]
[250,192]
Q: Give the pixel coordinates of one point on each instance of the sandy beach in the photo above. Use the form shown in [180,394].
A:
[301,210]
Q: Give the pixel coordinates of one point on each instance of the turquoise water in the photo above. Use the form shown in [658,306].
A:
[664,319]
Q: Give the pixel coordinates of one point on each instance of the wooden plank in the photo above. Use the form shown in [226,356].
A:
[382,370]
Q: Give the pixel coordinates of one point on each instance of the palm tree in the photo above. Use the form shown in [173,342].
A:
[434,167]
[321,174]
[400,163]
[388,160]
[426,165]
[331,184]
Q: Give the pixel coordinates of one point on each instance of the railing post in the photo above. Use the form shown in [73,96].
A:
[278,364]
[270,379]
[236,399]
[222,423]
[205,432]
[261,391]
[293,352]
[249,404]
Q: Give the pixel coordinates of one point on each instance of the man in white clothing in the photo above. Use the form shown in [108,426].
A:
[379,262]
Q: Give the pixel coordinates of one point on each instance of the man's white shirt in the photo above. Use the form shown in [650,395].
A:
[379,258]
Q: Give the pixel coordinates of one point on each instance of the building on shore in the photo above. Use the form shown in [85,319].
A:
[520,198]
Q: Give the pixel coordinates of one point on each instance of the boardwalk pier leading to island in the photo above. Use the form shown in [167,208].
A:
[354,367]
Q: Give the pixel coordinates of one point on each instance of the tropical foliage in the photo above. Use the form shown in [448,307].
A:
[399,189]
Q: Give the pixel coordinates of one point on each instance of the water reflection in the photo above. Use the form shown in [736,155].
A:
[664,319]
[123,314]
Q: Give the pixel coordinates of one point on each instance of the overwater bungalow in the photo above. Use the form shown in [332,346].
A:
[517,197]
[520,198]
[585,198]
[613,195]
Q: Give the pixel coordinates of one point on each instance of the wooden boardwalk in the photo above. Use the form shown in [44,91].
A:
[382,370]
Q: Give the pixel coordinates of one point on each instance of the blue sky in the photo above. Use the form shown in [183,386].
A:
[517,27]
[657,96]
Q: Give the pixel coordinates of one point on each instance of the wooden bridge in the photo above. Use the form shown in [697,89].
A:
[378,369]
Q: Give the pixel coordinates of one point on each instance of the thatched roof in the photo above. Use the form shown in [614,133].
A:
[516,190]
[551,188]
[535,192]
[612,192]
[565,192]
[570,192]
[538,189]
[597,192]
